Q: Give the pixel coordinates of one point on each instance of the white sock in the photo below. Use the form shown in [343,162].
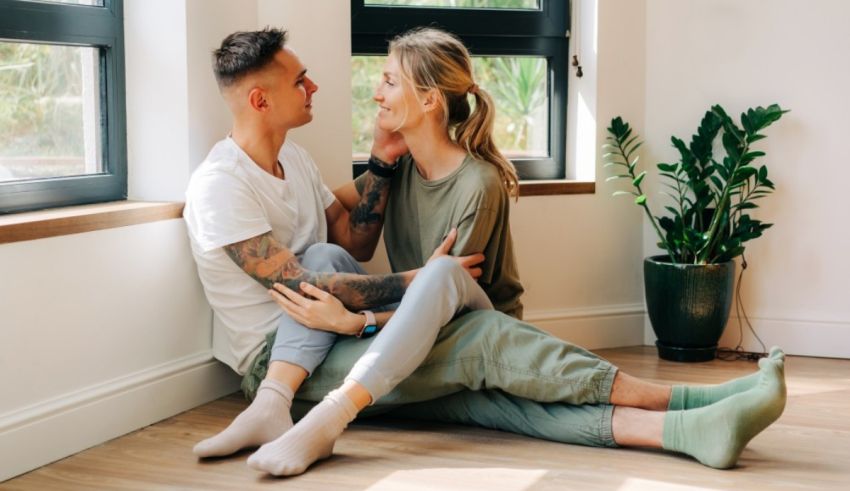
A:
[310,440]
[264,420]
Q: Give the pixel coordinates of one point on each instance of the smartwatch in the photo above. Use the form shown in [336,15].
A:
[370,327]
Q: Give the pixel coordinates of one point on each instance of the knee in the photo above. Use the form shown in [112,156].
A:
[326,257]
[477,332]
[444,267]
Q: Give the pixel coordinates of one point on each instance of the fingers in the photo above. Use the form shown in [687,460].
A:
[471,260]
[314,291]
[291,295]
[474,272]
[294,310]
[447,243]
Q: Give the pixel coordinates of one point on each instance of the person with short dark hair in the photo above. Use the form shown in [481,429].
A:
[258,215]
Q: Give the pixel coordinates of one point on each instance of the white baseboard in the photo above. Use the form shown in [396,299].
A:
[42,433]
[802,337]
[610,326]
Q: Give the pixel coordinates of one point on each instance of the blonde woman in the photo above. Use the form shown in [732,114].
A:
[453,176]
[450,177]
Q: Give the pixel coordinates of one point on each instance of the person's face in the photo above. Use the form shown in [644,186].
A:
[399,107]
[286,96]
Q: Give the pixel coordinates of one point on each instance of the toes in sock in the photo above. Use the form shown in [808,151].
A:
[692,397]
[310,440]
[265,419]
[716,435]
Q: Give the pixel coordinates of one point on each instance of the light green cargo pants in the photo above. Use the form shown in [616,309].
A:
[485,369]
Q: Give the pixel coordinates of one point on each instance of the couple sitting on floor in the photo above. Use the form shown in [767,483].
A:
[440,338]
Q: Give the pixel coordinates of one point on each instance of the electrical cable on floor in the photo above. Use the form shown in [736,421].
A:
[738,353]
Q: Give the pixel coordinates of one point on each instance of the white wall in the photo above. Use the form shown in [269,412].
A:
[105,332]
[758,52]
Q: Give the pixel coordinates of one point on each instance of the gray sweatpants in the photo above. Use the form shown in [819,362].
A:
[437,293]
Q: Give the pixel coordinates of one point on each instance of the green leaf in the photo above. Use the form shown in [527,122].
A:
[667,167]
[618,176]
[637,180]
[620,193]
[640,200]
[630,151]
[717,182]
[672,210]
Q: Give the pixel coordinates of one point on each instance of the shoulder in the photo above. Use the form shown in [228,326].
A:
[220,168]
[221,162]
[481,181]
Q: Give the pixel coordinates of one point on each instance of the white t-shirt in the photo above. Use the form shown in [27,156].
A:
[231,199]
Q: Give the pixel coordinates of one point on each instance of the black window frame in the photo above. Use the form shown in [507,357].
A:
[84,26]
[543,33]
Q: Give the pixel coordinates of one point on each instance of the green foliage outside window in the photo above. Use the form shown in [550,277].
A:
[517,85]
[41,109]
[501,4]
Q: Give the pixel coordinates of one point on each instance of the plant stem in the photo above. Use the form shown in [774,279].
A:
[702,256]
[644,205]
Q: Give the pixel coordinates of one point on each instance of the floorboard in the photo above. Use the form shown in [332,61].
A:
[808,448]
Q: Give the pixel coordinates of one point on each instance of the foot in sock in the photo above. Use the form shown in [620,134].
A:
[692,397]
[265,419]
[310,440]
[716,435]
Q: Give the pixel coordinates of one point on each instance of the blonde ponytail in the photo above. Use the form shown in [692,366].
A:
[475,134]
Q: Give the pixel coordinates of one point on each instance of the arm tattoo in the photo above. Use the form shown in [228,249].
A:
[369,211]
[264,259]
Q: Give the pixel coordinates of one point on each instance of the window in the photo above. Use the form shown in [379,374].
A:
[61,103]
[519,50]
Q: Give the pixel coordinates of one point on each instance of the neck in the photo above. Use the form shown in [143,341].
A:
[435,154]
[262,144]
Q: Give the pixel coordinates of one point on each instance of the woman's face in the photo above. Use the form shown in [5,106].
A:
[399,107]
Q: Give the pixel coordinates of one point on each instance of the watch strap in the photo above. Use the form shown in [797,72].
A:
[381,168]
[370,327]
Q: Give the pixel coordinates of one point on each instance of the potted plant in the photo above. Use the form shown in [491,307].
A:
[712,188]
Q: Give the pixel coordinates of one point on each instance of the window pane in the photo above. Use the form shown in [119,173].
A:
[96,3]
[462,4]
[518,86]
[49,111]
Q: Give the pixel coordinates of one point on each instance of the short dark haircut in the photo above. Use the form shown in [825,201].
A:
[244,52]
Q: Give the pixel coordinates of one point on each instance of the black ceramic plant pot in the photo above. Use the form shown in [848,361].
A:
[688,306]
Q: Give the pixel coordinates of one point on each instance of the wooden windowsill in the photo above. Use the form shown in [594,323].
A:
[546,188]
[85,218]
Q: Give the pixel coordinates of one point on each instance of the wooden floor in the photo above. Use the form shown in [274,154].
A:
[808,448]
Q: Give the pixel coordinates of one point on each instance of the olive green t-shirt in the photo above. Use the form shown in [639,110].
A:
[472,198]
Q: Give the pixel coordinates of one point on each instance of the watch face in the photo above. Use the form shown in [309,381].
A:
[369,330]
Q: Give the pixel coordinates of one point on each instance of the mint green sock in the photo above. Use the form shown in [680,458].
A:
[716,435]
[694,396]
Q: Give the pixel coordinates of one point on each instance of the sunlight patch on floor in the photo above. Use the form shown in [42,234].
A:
[447,479]
[635,484]
[800,386]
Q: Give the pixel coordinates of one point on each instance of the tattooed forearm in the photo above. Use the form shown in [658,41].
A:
[265,260]
[368,214]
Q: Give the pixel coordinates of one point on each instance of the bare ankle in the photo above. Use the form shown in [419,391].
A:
[287,374]
[633,392]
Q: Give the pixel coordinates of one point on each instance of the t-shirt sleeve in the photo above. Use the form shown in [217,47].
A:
[328,197]
[322,190]
[477,232]
[223,210]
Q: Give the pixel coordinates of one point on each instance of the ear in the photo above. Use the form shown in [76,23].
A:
[430,100]
[257,99]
